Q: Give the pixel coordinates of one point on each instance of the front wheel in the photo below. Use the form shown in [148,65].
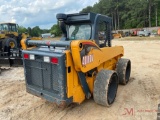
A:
[105,87]
[10,42]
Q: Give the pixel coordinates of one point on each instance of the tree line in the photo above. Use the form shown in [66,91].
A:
[37,31]
[128,13]
[125,14]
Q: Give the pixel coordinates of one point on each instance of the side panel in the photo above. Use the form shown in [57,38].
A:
[111,64]
[87,55]
[74,88]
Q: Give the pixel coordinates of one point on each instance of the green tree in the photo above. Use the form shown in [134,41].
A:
[36,31]
[87,9]
[45,31]
[55,29]
[29,30]
[22,29]
[130,13]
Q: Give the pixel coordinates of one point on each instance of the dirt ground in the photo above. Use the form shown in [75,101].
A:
[136,101]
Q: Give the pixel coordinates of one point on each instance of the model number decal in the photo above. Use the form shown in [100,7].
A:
[87,59]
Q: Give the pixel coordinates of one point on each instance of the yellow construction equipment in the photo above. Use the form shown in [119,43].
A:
[10,44]
[9,36]
[80,65]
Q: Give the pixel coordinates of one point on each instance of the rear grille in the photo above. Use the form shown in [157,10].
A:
[43,75]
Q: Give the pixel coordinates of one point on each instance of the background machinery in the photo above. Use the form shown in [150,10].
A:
[10,45]
[80,65]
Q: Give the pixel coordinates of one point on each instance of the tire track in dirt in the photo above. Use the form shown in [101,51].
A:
[10,95]
[9,91]
[150,88]
[29,112]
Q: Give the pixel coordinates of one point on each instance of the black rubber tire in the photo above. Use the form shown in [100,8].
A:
[1,45]
[158,112]
[105,87]
[158,116]
[123,69]
[8,40]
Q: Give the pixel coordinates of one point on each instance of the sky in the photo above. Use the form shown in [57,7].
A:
[42,13]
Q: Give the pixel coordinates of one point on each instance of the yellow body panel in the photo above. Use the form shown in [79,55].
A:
[103,58]
[14,33]
[36,38]
[100,55]
[73,85]
[4,34]
[24,38]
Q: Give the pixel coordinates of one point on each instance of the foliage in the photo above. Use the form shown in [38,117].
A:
[55,29]
[125,14]
[34,32]
[22,29]
[128,13]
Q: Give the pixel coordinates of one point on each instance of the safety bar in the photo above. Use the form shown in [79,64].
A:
[48,43]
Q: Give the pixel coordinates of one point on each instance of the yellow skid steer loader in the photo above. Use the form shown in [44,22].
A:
[80,65]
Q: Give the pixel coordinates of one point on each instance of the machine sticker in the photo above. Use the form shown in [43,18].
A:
[87,59]
[48,43]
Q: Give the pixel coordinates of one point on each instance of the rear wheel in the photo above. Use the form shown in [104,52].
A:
[123,69]
[105,87]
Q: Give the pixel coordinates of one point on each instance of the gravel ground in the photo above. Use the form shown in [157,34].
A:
[136,101]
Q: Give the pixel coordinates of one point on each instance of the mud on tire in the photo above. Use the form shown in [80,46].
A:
[105,87]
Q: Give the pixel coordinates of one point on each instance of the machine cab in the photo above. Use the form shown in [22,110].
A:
[86,26]
[9,27]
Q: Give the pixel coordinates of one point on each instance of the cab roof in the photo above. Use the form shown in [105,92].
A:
[7,23]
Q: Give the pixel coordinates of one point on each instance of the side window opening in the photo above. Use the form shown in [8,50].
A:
[4,27]
[13,28]
[102,33]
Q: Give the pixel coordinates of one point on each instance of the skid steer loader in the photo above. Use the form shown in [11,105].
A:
[80,65]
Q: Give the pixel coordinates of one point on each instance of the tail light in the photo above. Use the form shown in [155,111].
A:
[54,60]
[29,56]
[46,59]
[32,57]
[26,56]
